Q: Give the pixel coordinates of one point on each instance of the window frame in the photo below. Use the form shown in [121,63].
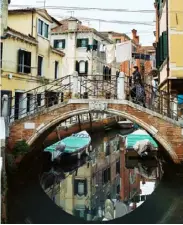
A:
[57,41]
[43,29]
[79,42]
[24,64]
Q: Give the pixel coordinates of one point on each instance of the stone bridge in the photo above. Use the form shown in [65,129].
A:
[165,130]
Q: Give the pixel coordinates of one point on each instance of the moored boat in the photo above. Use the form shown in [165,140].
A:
[127,124]
[72,146]
[140,143]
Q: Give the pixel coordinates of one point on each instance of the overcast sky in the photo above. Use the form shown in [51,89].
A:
[145,32]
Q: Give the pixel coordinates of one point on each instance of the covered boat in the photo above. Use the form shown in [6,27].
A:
[140,142]
[73,145]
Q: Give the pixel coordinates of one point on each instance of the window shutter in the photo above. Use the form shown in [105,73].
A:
[157,56]
[87,42]
[55,44]
[86,67]
[104,70]
[20,55]
[161,50]
[27,62]
[85,187]
[165,45]
[78,43]
[77,66]
[63,46]
[75,187]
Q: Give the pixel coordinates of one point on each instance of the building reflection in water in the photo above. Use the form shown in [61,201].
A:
[103,188]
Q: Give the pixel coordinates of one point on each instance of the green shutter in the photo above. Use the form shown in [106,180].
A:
[63,46]
[157,56]
[78,43]
[55,43]
[161,49]
[165,45]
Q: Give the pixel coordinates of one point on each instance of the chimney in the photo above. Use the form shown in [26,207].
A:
[134,33]
[73,24]
[135,37]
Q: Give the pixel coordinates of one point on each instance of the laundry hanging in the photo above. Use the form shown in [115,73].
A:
[110,53]
[123,51]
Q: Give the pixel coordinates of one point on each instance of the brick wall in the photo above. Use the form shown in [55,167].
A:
[169,134]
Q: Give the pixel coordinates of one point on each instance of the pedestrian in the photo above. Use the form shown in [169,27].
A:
[137,91]
[136,75]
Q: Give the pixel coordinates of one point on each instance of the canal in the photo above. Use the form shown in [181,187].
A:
[101,186]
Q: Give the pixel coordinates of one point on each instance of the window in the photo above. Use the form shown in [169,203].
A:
[43,28]
[82,43]
[1,55]
[24,61]
[40,66]
[59,44]
[38,99]
[107,175]
[106,73]
[40,27]
[82,67]
[56,69]
[95,44]
[118,41]
[80,187]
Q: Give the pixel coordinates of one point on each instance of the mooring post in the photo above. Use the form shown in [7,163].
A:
[91,127]
[121,86]
[79,122]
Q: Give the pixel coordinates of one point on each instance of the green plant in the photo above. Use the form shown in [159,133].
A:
[21,148]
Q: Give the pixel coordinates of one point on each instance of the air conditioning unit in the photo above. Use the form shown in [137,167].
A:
[10,76]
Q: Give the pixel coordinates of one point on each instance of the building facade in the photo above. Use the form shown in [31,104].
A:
[28,60]
[169,39]
[84,48]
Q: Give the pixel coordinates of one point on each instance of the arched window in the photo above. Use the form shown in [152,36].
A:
[82,67]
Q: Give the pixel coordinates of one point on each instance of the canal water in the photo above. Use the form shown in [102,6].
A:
[103,185]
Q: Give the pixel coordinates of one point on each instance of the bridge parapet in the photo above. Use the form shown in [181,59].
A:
[166,131]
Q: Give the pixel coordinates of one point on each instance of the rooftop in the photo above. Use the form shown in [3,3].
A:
[80,28]
[34,10]
[21,35]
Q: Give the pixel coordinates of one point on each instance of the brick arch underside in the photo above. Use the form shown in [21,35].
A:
[51,125]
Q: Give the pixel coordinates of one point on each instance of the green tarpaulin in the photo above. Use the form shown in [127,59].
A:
[139,135]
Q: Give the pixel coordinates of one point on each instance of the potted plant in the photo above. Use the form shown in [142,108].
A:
[20,149]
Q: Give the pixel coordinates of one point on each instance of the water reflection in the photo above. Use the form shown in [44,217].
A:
[102,186]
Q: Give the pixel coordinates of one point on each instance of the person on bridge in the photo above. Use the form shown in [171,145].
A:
[138,91]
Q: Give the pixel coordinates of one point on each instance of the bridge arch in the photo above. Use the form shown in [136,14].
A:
[136,119]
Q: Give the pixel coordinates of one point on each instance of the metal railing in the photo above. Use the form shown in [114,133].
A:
[92,87]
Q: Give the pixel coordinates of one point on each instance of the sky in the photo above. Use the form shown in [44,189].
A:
[145,32]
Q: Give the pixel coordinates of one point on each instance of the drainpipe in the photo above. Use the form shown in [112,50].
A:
[32,23]
[168,58]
